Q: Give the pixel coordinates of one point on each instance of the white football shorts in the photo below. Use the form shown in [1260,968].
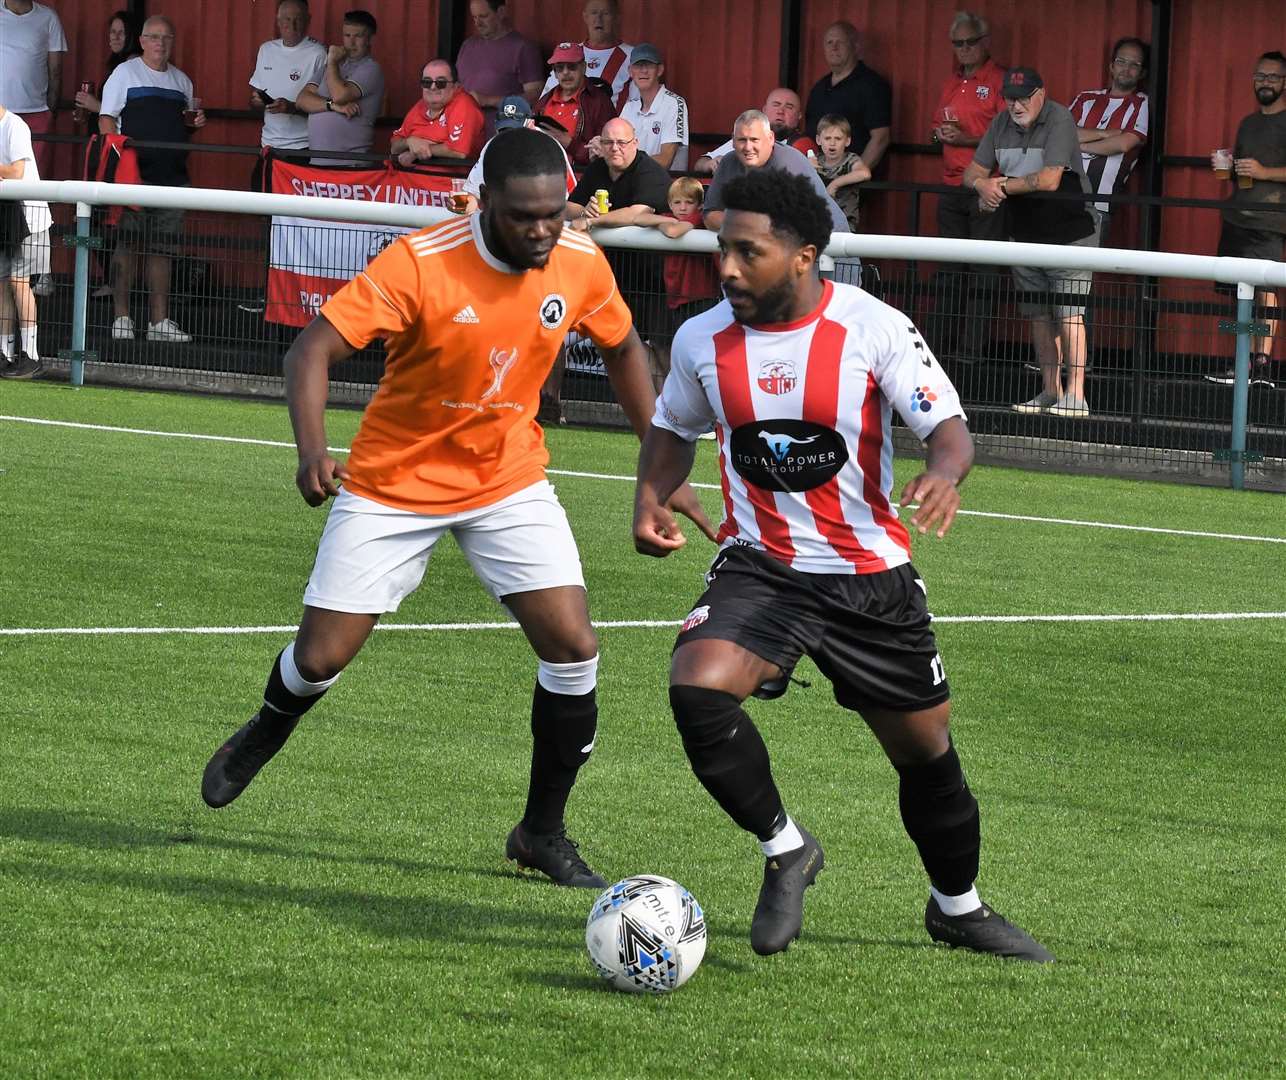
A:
[371,556]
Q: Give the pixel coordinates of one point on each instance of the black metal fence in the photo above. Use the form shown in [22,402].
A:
[1155,355]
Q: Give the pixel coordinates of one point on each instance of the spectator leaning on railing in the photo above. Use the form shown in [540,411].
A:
[498,62]
[636,186]
[445,123]
[1250,229]
[149,99]
[1034,145]
[343,107]
[1112,125]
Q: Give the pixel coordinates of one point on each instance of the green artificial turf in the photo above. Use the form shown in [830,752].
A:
[352,914]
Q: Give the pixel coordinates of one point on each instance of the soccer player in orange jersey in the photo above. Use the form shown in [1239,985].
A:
[472,312]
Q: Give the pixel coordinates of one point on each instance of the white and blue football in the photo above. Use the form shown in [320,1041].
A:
[646,935]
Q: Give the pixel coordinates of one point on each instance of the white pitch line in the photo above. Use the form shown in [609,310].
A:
[630,479]
[622,624]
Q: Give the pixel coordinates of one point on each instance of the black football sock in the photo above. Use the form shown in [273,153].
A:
[283,703]
[562,729]
[941,816]
[729,757]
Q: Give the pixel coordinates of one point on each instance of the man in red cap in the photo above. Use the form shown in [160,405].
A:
[581,108]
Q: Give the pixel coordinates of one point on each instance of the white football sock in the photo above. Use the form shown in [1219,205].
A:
[957,905]
[6,345]
[28,335]
[787,840]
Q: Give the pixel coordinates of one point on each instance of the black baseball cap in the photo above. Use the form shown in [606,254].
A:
[1020,83]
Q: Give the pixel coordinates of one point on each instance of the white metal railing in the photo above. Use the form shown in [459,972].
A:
[1246,274]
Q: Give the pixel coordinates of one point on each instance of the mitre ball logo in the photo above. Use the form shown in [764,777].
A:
[787,455]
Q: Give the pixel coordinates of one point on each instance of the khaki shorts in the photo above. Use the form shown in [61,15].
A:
[151,231]
[1069,285]
[29,258]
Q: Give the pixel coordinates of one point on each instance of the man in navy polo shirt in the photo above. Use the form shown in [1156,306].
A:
[854,91]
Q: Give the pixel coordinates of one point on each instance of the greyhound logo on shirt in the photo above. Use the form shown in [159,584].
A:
[780,444]
[786,454]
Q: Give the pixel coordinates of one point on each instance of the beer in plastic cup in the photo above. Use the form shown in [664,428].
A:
[949,115]
[459,196]
[189,114]
[1245,181]
[1223,164]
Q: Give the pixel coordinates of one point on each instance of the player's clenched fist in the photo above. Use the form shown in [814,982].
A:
[319,477]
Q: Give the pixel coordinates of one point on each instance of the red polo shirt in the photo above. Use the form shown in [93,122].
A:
[459,126]
[976,100]
[567,112]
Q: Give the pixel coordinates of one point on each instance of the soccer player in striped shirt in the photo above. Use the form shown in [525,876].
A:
[473,312]
[798,376]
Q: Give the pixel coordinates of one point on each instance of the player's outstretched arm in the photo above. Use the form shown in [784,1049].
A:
[949,459]
[631,378]
[308,363]
[664,463]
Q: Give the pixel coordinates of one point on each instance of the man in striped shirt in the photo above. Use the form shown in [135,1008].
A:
[1112,125]
[799,377]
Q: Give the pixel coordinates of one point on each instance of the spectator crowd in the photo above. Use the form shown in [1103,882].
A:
[624,130]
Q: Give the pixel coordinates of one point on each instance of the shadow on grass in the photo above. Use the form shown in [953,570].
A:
[407,915]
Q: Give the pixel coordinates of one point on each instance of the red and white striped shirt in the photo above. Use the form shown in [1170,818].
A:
[802,415]
[1101,109]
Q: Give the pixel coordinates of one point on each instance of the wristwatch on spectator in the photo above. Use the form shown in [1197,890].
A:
[329,103]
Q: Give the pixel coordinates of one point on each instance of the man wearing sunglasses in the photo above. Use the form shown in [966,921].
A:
[969,101]
[580,107]
[1112,124]
[445,123]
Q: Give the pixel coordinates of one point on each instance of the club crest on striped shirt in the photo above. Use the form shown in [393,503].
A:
[777,377]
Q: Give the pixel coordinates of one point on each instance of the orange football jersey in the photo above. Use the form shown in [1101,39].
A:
[470,341]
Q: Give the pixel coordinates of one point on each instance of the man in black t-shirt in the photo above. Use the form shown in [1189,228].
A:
[853,90]
[635,185]
[1250,229]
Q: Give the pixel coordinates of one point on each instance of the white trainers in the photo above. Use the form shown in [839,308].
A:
[166,330]
[123,328]
[1070,406]
[1042,402]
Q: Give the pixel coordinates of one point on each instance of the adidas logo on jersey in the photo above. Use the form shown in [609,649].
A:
[466,315]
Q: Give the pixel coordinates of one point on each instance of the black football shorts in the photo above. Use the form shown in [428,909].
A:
[869,634]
